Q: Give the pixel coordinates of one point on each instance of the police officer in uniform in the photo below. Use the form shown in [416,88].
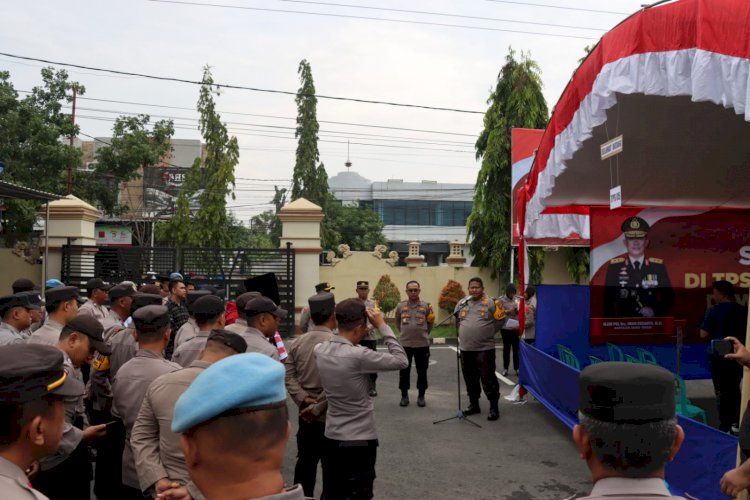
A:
[263,317]
[636,285]
[209,315]
[96,289]
[62,306]
[351,439]
[152,327]
[363,290]
[33,383]
[305,322]
[414,318]
[190,329]
[36,311]
[479,317]
[305,388]
[14,311]
[240,325]
[23,285]
[627,429]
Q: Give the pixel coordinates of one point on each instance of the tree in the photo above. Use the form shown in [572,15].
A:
[516,101]
[386,294]
[33,143]
[209,225]
[359,227]
[577,262]
[450,295]
[309,180]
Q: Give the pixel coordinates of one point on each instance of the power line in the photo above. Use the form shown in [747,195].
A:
[441,14]
[240,87]
[579,9]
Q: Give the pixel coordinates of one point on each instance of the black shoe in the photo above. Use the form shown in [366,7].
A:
[472,409]
[494,414]
[373,392]
[420,402]
[505,373]
[404,401]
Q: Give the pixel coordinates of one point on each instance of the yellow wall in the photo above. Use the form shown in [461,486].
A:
[13,267]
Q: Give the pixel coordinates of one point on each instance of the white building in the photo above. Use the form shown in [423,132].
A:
[429,212]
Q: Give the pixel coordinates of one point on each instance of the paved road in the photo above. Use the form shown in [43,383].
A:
[527,454]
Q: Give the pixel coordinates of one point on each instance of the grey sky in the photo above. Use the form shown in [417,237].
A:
[388,61]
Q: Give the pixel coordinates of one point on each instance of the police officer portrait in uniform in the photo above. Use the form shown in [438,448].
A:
[637,285]
[414,318]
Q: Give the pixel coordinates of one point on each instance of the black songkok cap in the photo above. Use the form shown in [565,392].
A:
[229,339]
[322,303]
[153,316]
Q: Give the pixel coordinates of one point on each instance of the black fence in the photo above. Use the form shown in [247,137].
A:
[223,268]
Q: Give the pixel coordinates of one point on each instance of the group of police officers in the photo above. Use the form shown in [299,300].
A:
[212,422]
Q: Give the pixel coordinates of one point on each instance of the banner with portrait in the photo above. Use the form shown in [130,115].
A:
[652,270]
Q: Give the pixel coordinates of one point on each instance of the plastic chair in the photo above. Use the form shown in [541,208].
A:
[568,357]
[684,406]
[646,356]
[615,353]
[631,359]
[594,360]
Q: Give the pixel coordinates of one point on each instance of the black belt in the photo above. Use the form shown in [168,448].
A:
[367,443]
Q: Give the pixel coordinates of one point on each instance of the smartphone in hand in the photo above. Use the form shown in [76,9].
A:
[722,347]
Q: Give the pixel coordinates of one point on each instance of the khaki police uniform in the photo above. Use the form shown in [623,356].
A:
[415,320]
[186,332]
[257,342]
[90,308]
[238,327]
[47,334]
[10,335]
[190,349]
[621,488]
[14,484]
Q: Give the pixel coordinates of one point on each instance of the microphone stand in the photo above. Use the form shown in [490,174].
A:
[460,415]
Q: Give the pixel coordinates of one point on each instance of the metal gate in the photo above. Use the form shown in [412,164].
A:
[224,268]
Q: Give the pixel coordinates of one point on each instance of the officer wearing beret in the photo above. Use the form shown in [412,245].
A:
[16,316]
[414,318]
[263,317]
[62,306]
[305,321]
[479,317]
[636,285]
[350,437]
[305,388]
[96,290]
[234,424]
[23,285]
[152,331]
[363,291]
[190,329]
[36,311]
[209,315]
[627,429]
[158,455]
[240,324]
[33,384]
[67,473]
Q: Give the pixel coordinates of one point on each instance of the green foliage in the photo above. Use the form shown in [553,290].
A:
[359,227]
[536,265]
[516,101]
[577,262]
[386,294]
[309,180]
[33,143]
[209,225]
[241,236]
[266,227]
[450,295]
[132,146]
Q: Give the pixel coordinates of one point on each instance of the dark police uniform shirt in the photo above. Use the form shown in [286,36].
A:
[636,289]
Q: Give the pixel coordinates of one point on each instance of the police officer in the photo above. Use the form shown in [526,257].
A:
[14,311]
[121,300]
[304,386]
[637,285]
[350,437]
[263,317]
[67,473]
[209,315]
[234,434]
[33,383]
[189,329]
[36,311]
[414,318]
[305,322]
[158,454]
[23,285]
[132,381]
[62,307]
[240,324]
[96,290]
[479,317]
[363,290]
[627,429]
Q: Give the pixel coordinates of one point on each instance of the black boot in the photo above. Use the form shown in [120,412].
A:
[494,413]
[473,408]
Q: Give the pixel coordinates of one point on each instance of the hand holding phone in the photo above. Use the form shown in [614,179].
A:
[722,347]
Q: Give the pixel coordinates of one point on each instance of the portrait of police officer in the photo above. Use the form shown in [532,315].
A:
[637,285]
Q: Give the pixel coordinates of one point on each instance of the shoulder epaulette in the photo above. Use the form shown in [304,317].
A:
[655,260]
[617,260]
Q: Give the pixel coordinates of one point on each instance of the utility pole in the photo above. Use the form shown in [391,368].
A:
[72,137]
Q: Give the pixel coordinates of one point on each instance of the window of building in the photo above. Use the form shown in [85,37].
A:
[423,212]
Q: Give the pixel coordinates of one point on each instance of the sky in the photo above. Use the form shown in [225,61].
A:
[402,57]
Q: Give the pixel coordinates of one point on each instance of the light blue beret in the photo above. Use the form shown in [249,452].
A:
[248,380]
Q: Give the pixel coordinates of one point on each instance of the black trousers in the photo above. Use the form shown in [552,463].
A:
[510,342]
[421,356]
[371,344]
[727,377]
[310,446]
[108,470]
[71,480]
[480,366]
[349,469]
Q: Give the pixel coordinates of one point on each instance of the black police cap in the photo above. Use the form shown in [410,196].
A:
[60,294]
[97,283]
[92,328]
[194,295]
[30,371]
[154,316]
[208,305]
[229,339]
[324,287]
[627,393]
[243,299]
[322,303]
[23,285]
[121,290]
[32,299]
[635,227]
[260,305]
